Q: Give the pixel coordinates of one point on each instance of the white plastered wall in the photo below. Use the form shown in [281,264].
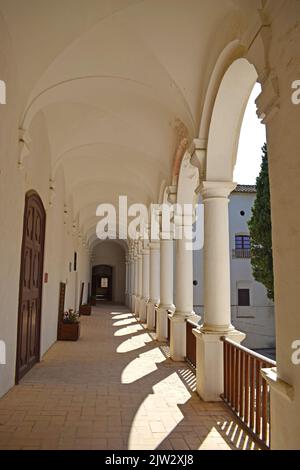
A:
[15,182]
[113,254]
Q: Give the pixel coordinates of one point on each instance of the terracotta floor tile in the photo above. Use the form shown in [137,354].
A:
[115,388]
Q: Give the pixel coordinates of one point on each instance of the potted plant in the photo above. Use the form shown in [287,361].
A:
[85,309]
[69,327]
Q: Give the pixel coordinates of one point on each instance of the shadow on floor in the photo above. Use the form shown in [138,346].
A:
[116,388]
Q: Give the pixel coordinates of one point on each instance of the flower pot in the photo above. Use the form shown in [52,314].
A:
[68,331]
[85,309]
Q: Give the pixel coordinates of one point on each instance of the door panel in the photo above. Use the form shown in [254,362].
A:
[31,280]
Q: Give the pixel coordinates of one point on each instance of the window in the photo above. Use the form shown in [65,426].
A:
[243,297]
[104,282]
[242,242]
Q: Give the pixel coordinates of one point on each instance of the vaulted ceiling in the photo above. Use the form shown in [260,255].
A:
[117,82]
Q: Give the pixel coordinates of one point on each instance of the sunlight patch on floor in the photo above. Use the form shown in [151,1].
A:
[128,330]
[119,315]
[170,384]
[150,433]
[143,365]
[213,440]
[134,343]
[127,321]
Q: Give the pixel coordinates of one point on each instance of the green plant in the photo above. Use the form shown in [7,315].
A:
[70,316]
[260,228]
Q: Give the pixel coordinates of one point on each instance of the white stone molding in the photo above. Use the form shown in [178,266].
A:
[24,146]
[278,385]
[51,191]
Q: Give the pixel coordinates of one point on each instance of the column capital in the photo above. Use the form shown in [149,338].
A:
[166,236]
[154,245]
[216,189]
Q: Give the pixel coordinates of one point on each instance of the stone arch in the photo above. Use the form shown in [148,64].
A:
[226,119]
[112,253]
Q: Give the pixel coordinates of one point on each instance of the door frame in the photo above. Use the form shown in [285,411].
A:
[96,273]
[29,194]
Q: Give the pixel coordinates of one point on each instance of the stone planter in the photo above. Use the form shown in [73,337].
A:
[85,309]
[68,331]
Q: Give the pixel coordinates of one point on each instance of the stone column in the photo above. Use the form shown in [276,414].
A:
[127,288]
[137,279]
[183,290]
[166,286]
[140,278]
[132,279]
[154,283]
[217,305]
[145,283]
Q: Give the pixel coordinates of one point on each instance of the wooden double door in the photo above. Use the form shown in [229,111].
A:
[31,282]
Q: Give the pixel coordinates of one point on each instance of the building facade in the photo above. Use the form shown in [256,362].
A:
[251,310]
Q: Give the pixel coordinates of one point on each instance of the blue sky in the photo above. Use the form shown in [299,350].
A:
[252,138]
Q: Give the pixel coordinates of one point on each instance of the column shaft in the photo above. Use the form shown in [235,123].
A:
[217,309]
[154,283]
[166,288]
[145,289]
[183,295]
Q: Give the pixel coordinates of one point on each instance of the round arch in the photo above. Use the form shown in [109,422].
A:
[226,119]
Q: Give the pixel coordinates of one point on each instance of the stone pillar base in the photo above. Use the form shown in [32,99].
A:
[137,305]
[132,304]
[162,322]
[143,310]
[150,316]
[209,360]
[178,336]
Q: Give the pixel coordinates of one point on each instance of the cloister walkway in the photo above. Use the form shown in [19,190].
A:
[117,389]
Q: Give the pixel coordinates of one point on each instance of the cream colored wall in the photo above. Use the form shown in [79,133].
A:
[284,169]
[11,212]
[112,254]
[14,183]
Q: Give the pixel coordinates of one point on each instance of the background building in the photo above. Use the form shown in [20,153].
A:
[251,310]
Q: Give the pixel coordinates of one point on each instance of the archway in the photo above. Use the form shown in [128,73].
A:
[108,264]
[226,120]
[102,283]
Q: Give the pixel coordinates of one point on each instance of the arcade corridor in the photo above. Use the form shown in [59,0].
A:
[115,388]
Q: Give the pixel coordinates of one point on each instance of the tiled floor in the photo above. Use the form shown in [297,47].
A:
[115,389]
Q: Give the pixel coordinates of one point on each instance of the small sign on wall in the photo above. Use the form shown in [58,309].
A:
[45,278]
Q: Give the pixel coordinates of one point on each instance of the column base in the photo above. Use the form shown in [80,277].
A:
[209,360]
[132,303]
[178,335]
[143,310]
[151,315]
[137,305]
[162,322]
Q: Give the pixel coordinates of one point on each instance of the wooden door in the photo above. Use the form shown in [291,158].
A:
[31,281]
